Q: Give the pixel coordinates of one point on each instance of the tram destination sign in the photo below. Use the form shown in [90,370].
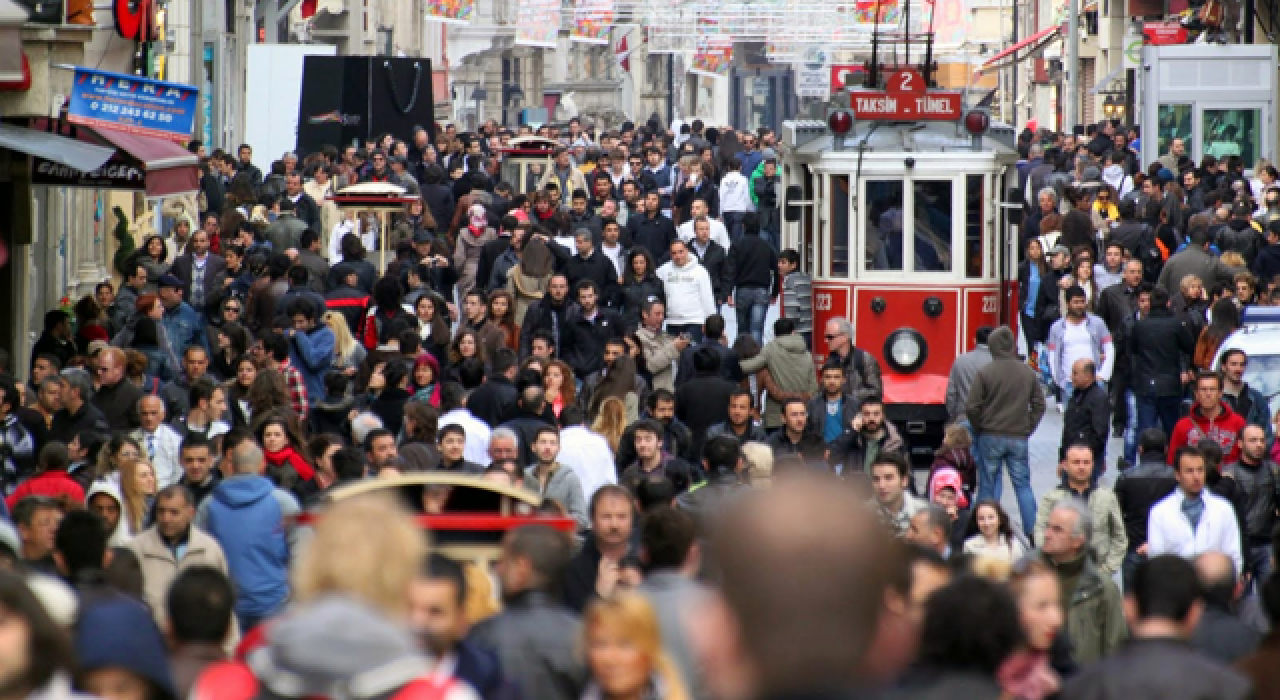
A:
[906,98]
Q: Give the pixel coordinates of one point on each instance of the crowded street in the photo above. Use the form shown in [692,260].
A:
[639,350]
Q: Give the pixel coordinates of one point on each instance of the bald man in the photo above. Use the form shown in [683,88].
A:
[161,445]
[116,396]
[772,633]
[1087,417]
[1221,634]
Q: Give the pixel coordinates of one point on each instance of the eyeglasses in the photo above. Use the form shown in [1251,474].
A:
[233,309]
[831,336]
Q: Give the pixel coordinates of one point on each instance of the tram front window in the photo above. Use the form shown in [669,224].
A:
[932,200]
[883,247]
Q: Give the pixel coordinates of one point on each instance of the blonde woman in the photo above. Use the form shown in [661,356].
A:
[348,354]
[625,657]
[611,421]
[138,492]
[384,552]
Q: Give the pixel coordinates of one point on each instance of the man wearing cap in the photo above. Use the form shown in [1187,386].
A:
[182,324]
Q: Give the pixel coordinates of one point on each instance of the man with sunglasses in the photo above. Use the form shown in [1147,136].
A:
[379,172]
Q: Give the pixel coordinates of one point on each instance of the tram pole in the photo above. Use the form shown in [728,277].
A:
[1070,117]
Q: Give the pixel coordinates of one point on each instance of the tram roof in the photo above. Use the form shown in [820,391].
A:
[906,137]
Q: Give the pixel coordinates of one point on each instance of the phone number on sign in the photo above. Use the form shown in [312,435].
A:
[136,112]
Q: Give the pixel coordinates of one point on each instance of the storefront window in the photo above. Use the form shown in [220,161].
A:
[840,226]
[884,244]
[932,203]
[1175,123]
[974,199]
[1231,132]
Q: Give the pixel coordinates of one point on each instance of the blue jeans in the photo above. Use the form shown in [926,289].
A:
[752,305]
[999,451]
[1257,561]
[1159,411]
[1131,428]
[733,223]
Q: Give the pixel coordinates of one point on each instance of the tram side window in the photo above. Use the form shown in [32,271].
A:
[974,198]
[884,239]
[933,214]
[840,225]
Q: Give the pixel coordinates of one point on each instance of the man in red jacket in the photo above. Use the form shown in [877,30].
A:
[52,479]
[1211,418]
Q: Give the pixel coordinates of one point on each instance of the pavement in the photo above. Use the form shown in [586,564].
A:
[1044,460]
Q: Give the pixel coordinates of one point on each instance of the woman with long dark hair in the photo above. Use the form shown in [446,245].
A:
[639,284]
[1225,319]
[288,463]
[1033,274]
[619,383]
[232,342]
[146,339]
[502,313]
[244,372]
[388,297]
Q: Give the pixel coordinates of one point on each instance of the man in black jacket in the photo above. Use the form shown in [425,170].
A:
[713,257]
[753,277]
[588,263]
[712,337]
[1118,308]
[550,313]
[1137,489]
[704,400]
[795,439]
[1160,353]
[1087,418]
[494,249]
[593,571]
[652,231]
[494,401]
[586,332]
[304,206]
[582,216]
[765,189]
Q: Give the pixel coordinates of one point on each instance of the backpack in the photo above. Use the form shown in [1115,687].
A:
[234,680]
[1153,254]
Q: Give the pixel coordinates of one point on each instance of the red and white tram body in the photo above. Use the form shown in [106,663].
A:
[901,227]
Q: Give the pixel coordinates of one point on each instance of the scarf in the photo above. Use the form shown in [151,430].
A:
[1193,508]
[544,215]
[1026,675]
[291,457]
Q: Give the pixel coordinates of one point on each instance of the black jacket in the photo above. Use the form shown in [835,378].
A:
[389,406]
[307,210]
[493,400]
[353,304]
[634,294]
[67,425]
[677,440]
[1239,236]
[701,403]
[1156,668]
[480,669]
[439,199]
[765,189]
[119,404]
[810,448]
[580,577]
[599,269]
[525,425]
[754,263]
[679,472]
[331,417]
[64,350]
[730,368]
[1117,307]
[1161,349]
[653,232]
[584,340]
[1266,264]
[489,254]
[545,315]
[1087,419]
[1140,487]
[716,262]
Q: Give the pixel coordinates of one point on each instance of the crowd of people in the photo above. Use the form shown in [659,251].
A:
[741,525]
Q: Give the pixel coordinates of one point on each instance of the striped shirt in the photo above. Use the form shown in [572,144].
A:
[797,300]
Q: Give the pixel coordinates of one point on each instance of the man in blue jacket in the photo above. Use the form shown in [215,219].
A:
[182,324]
[250,517]
[310,346]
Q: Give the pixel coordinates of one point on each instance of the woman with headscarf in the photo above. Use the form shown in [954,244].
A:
[528,280]
[471,241]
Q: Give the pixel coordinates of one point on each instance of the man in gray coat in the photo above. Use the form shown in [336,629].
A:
[672,587]
[963,371]
[552,480]
[535,636]
[1195,260]
[1004,407]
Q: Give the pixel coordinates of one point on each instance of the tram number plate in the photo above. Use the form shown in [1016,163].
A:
[822,302]
[991,304]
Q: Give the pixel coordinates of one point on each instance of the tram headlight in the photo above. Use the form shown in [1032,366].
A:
[905,350]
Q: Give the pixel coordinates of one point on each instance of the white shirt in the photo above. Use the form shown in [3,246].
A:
[719,233]
[166,445]
[1169,531]
[735,194]
[688,289]
[614,255]
[589,455]
[1077,344]
[477,448]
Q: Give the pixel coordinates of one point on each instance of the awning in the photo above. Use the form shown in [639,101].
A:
[1022,50]
[170,169]
[59,149]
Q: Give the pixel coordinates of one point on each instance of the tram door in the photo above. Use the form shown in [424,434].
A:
[1008,249]
[807,230]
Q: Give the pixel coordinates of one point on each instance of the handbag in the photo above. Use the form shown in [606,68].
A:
[43,11]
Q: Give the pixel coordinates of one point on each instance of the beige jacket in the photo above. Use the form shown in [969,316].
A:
[160,568]
[660,356]
[1110,540]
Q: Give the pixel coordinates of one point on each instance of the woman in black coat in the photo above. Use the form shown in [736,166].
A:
[639,283]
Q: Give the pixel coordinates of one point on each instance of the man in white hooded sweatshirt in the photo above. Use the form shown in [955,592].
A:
[690,299]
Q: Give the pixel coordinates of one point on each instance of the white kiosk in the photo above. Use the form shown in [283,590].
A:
[1220,99]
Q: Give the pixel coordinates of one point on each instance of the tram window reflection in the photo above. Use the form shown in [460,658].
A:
[884,242]
[1174,122]
[1231,132]
[932,222]
[975,197]
[840,225]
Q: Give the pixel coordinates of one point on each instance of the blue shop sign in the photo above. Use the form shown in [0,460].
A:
[133,104]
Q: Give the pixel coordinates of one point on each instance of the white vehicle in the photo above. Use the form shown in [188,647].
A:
[1259,338]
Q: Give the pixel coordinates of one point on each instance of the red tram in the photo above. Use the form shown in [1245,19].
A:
[894,202]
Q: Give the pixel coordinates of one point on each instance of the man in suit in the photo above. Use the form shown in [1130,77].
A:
[198,269]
